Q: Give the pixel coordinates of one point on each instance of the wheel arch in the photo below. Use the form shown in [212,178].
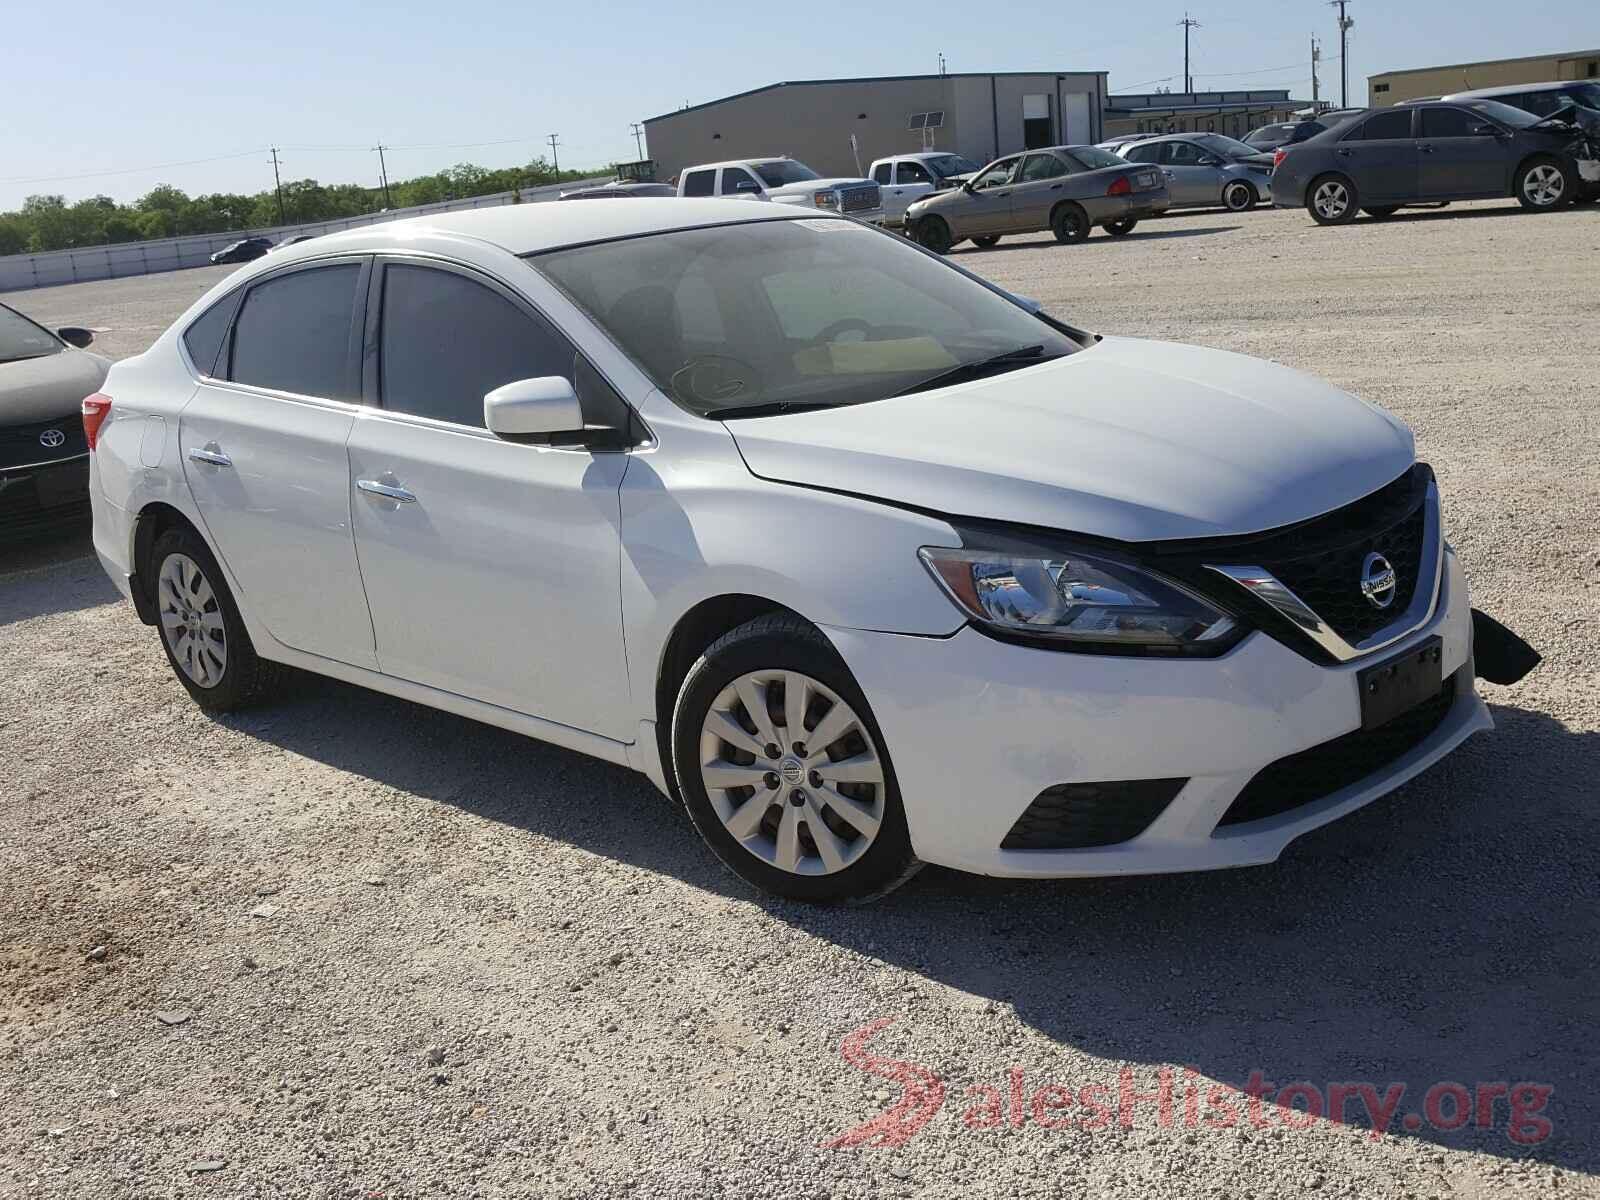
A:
[1065,202]
[154,519]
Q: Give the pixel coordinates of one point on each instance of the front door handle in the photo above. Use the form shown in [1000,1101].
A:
[1055,187]
[211,455]
[388,491]
[1425,149]
[1343,153]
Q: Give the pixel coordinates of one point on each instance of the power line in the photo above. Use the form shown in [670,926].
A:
[136,170]
[1188,23]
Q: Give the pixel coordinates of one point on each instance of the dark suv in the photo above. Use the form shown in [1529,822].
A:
[1436,151]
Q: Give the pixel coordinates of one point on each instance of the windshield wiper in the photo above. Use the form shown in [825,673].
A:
[1025,356]
[771,408]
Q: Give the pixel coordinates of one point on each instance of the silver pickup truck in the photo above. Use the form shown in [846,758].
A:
[783,181]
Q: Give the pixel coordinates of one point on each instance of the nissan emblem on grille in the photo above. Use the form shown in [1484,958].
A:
[1378,581]
[52,438]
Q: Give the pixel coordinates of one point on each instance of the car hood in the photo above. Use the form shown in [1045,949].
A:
[42,389]
[1131,439]
[806,187]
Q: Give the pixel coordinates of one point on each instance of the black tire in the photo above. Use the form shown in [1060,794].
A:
[1239,196]
[783,642]
[986,241]
[1122,228]
[1070,224]
[931,233]
[1587,198]
[1382,212]
[243,678]
[1336,206]
[1544,184]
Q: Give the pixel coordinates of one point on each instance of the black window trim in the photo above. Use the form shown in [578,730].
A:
[224,361]
[372,340]
[1354,134]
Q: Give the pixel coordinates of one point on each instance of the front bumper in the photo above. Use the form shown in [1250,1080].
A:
[43,496]
[978,728]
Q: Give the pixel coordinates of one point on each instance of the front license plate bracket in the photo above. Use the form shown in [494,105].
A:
[1402,682]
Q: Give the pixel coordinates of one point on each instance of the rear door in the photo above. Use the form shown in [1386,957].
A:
[1039,185]
[1461,153]
[1380,155]
[494,573]
[263,445]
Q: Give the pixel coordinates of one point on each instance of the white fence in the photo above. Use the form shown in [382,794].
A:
[20,271]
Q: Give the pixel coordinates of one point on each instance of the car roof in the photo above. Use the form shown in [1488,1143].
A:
[1515,89]
[530,228]
[760,160]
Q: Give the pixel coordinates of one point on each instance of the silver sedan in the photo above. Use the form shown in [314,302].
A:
[1204,170]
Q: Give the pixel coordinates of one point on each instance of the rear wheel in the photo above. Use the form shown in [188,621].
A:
[988,240]
[1239,196]
[1122,228]
[931,233]
[783,769]
[1070,224]
[1543,185]
[1332,200]
[1383,212]
[201,629]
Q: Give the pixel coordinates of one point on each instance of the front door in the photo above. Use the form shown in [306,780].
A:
[1460,153]
[912,181]
[1380,154]
[1192,174]
[987,207]
[491,567]
[263,448]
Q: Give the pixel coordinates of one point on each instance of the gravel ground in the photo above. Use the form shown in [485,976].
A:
[413,956]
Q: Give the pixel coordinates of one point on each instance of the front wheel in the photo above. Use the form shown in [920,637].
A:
[1332,200]
[1543,185]
[1070,224]
[986,241]
[1122,228]
[783,769]
[931,233]
[1239,197]
[201,629]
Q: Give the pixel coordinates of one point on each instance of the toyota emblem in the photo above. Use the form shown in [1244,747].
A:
[51,438]
[1378,581]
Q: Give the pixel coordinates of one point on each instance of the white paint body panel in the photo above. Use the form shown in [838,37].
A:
[536,588]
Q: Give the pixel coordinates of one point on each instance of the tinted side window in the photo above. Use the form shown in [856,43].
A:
[699,183]
[1391,123]
[1041,166]
[203,339]
[1540,104]
[1182,154]
[293,334]
[913,172]
[880,173]
[1143,154]
[1449,123]
[732,177]
[446,340]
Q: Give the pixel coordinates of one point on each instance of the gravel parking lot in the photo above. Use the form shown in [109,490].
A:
[346,946]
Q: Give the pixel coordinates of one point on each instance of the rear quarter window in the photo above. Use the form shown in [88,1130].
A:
[203,338]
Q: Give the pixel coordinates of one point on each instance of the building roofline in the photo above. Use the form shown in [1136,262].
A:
[1487,62]
[767,87]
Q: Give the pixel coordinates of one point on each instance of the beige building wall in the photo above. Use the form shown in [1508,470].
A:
[813,121]
[1392,87]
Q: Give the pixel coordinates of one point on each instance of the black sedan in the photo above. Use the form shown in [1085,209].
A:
[44,457]
[1432,152]
[243,251]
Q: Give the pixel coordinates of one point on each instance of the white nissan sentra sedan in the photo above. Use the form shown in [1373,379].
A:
[867,561]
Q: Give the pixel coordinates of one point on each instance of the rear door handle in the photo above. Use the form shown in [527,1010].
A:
[211,455]
[389,491]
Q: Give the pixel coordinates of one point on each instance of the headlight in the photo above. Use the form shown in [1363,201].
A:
[826,199]
[1076,599]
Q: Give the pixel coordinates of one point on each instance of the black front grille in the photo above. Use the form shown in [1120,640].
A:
[23,513]
[1310,775]
[1321,561]
[20,445]
[1074,816]
[858,199]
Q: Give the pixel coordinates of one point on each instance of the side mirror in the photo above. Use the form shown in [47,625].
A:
[744,185]
[1205,160]
[1485,131]
[533,409]
[75,335]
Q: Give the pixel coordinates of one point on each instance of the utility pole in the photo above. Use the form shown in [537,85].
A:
[638,143]
[1344,51]
[383,173]
[277,184]
[555,162]
[1316,57]
[1188,23]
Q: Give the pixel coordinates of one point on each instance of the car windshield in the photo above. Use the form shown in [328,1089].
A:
[20,338]
[950,164]
[777,315]
[1505,114]
[776,174]
[1226,146]
[1094,158]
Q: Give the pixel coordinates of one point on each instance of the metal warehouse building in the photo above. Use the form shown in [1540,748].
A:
[979,115]
[1392,87]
